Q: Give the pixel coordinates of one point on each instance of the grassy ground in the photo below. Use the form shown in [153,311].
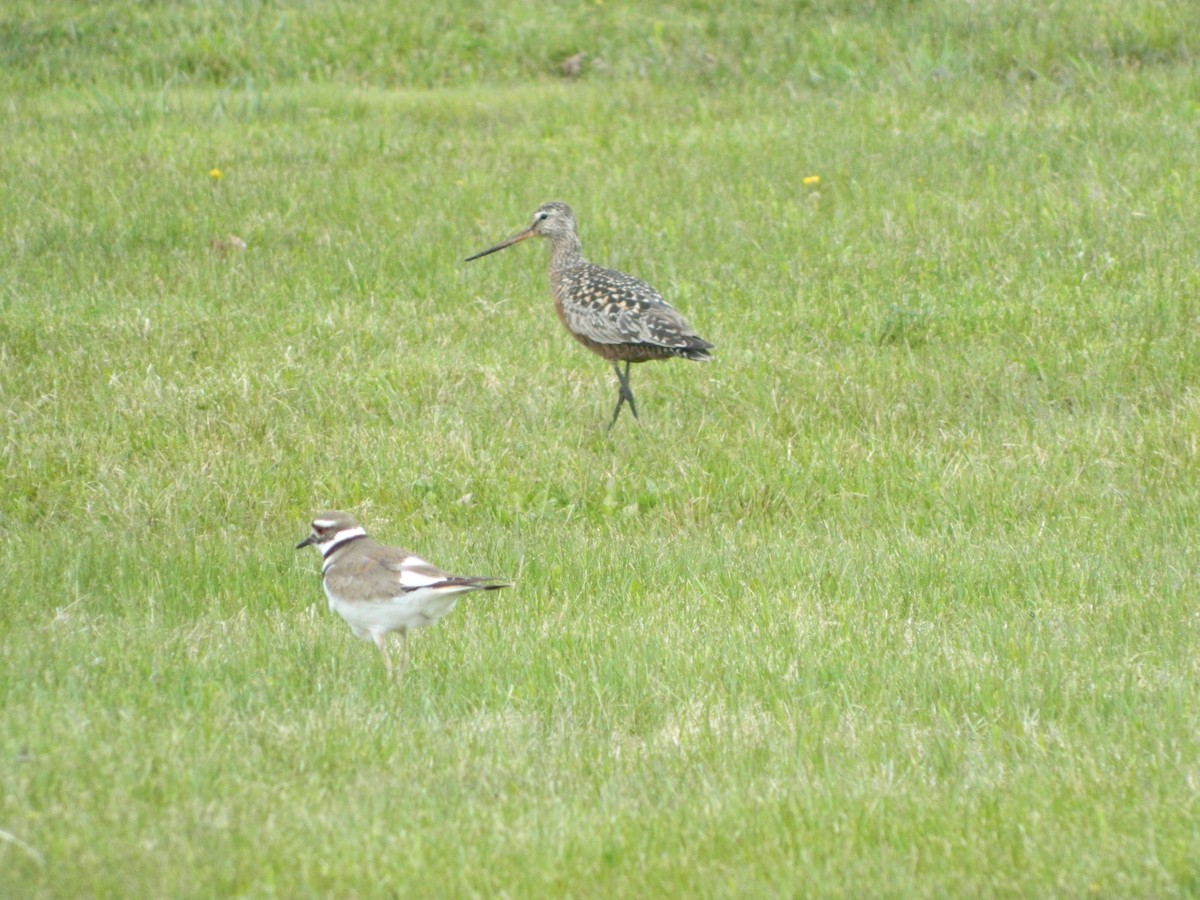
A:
[895,598]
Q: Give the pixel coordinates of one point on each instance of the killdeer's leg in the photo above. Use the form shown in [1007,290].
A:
[381,643]
[403,650]
[624,394]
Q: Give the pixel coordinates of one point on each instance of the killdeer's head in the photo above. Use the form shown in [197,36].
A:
[329,529]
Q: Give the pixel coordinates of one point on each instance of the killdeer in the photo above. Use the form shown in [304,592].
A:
[379,589]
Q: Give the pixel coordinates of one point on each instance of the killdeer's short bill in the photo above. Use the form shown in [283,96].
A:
[379,589]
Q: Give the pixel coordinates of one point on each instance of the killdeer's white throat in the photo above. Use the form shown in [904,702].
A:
[379,589]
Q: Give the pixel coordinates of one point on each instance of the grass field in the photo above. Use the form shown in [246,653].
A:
[897,597]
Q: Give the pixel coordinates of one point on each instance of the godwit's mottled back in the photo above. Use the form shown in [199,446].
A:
[613,314]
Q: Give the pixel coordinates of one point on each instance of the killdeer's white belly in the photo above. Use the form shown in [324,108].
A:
[413,609]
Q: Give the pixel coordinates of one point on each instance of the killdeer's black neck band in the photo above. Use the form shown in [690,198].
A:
[342,543]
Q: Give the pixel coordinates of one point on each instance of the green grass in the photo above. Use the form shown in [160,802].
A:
[895,598]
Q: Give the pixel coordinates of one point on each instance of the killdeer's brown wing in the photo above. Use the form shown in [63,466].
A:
[415,573]
[376,574]
[367,573]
